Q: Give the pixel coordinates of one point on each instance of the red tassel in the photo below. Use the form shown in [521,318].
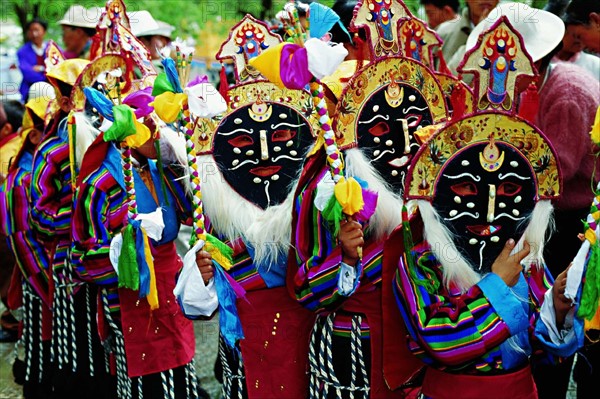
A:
[224,85]
[458,100]
[442,67]
[530,102]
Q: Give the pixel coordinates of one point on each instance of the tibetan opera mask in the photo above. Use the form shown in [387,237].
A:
[385,130]
[259,148]
[484,194]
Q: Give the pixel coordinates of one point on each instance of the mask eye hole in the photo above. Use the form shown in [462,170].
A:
[508,189]
[283,135]
[241,141]
[463,189]
[379,129]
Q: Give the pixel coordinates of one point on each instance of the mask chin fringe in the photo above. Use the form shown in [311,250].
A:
[232,216]
[539,223]
[388,214]
[456,269]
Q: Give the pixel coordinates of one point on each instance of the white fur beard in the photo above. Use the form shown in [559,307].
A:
[268,231]
[457,270]
[388,214]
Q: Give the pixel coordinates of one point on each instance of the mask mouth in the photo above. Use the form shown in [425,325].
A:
[484,230]
[400,162]
[265,171]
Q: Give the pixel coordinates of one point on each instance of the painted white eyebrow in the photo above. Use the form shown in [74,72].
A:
[474,216]
[508,216]
[286,124]
[476,178]
[502,177]
[252,161]
[235,131]
[392,151]
[384,117]
[405,110]
[285,157]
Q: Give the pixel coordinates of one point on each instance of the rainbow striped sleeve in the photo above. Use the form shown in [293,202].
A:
[319,257]
[98,212]
[32,259]
[451,329]
[51,193]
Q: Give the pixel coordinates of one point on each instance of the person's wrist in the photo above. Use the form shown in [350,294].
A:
[350,261]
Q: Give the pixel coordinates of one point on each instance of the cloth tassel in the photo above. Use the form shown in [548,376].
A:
[351,197]
[229,320]
[530,102]
[152,296]
[145,264]
[458,100]
[220,252]
[72,127]
[161,171]
[224,85]
[591,288]
[129,276]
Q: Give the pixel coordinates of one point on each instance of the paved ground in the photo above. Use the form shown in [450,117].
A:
[206,345]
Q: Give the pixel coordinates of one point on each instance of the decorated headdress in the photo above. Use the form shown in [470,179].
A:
[417,42]
[481,178]
[117,57]
[301,63]
[383,108]
[60,72]
[260,143]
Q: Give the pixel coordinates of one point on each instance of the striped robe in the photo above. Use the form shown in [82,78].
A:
[319,257]
[100,214]
[31,257]
[52,198]
[468,332]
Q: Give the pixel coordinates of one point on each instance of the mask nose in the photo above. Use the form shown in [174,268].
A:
[491,203]
[264,147]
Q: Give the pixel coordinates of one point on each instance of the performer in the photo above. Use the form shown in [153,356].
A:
[251,164]
[153,342]
[376,119]
[77,354]
[471,283]
[31,258]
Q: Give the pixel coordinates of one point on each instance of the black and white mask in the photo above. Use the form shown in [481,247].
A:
[483,194]
[260,148]
[385,130]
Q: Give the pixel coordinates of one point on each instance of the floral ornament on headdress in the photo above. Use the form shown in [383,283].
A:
[136,264]
[587,260]
[304,63]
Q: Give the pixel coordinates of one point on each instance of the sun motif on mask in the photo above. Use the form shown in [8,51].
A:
[260,111]
[394,94]
[491,158]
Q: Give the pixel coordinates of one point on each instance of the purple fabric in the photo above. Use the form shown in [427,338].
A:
[139,101]
[240,292]
[197,80]
[370,200]
[294,67]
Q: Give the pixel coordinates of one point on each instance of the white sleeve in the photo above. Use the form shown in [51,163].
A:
[548,316]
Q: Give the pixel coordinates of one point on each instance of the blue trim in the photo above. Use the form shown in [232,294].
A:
[505,303]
